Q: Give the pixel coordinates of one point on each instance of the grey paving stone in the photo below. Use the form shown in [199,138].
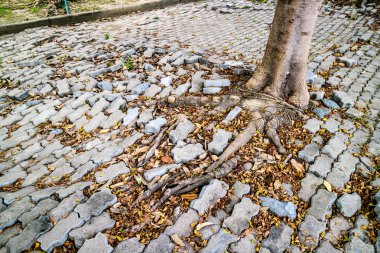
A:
[185,153]
[9,233]
[309,152]
[216,221]
[107,154]
[246,244]
[182,226]
[95,122]
[59,233]
[63,87]
[96,204]
[10,197]
[132,245]
[112,120]
[343,99]
[111,172]
[357,245]
[219,141]
[91,228]
[309,186]
[241,215]
[238,190]
[219,242]
[232,115]
[217,83]
[279,238]
[183,129]
[310,230]
[98,244]
[145,117]
[44,193]
[131,116]
[181,89]
[331,125]
[82,170]
[279,208]
[66,206]
[154,126]
[117,104]
[131,139]
[209,195]
[337,226]
[322,166]
[28,236]
[313,125]
[349,204]
[326,247]
[39,210]
[98,107]
[10,178]
[160,244]
[158,171]
[9,216]
[334,147]
[321,204]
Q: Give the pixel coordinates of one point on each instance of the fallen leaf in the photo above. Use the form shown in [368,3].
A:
[327,185]
[167,159]
[189,196]
[202,225]
[296,165]
[177,240]
[277,184]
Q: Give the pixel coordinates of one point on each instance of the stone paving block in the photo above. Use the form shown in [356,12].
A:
[160,244]
[313,125]
[28,236]
[183,129]
[9,216]
[182,226]
[64,192]
[186,153]
[310,230]
[43,194]
[349,204]
[39,210]
[219,242]
[10,197]
[66,206]
[59,233]
[209,195]
[111,172]
[309,152]
[279,208]
[145,117]
[321,204]
[279,238]
[107,154]
[34,176]
[238,190]
[219,141]
[91,228]
[82,170]
[98,244]
[357,245]
[82,158]
[322,166]
[95,122]
[326,247]
[309,186]
[96,204]
[9,233]
[241,215]
[10,178]
[112,120]
[132,245]
[154,126]
[149,175]
[246,244]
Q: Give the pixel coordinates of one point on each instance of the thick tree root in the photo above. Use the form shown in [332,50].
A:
[268,114]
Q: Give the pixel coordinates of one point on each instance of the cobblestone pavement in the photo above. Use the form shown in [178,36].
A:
[74,127]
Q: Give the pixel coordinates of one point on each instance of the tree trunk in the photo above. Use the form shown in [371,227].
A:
[282,73]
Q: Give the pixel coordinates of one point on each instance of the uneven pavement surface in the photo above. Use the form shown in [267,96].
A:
[82,135]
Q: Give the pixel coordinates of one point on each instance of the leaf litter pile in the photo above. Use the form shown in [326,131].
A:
[259,165]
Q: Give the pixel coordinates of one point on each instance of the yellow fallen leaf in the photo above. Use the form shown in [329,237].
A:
[177,240]
[327,185]
[204,224]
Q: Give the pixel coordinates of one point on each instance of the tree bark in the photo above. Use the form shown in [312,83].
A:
[282,73]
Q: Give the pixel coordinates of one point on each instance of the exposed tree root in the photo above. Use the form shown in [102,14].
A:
[268,114]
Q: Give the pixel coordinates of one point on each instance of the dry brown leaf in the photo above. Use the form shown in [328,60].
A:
[299,167]
[327,185]
[189,196]
[167,159]
[277,184]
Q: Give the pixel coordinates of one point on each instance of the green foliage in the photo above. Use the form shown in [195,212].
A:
[36,9]
[106,36]
[4,11]
[128,63]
